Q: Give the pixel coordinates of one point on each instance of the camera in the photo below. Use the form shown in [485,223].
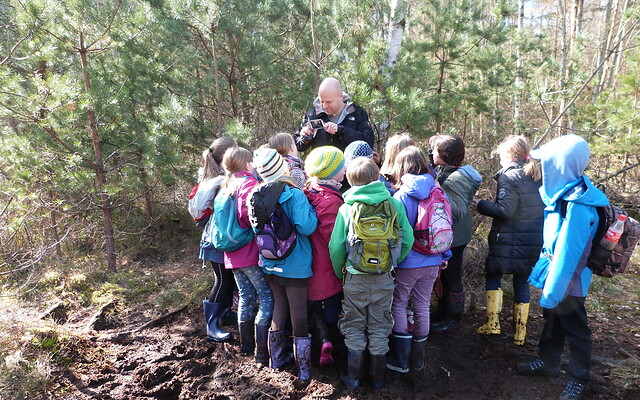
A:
[316,124]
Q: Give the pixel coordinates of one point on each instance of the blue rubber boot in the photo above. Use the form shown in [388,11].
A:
[355,362]
[400,351]
[212,319]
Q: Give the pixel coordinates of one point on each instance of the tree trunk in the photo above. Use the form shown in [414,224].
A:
[604,44]
[314,44]
[516,97]
[54,224]
[216,78]
[564,58]
[105,201]
[396,29]
[617,57]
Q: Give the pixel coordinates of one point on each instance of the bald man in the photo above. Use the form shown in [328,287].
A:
[342,122]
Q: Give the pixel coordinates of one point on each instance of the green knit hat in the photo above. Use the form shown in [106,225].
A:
[324,162]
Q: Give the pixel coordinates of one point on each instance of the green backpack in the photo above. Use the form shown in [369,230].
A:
[374,238]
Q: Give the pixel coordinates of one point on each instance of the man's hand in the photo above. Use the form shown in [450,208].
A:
[330,128]
[306,131]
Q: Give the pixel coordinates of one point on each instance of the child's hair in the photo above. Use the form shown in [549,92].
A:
[281,142]
[213,157]
[411,160]
[394,145]
[235,159]
[518,147]
[362,171]
[451,149]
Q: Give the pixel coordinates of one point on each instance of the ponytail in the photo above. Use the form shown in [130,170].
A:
[213,157]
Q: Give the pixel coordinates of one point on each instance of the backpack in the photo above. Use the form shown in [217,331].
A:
[277,237]
[433,230]
[224,230]
[374,238]
[605,262]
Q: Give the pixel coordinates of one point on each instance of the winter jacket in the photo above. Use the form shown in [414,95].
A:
[296,169]
[353,125]
[372,193]
[301,215]
[515,238]
[413,189]
[561,269]
[326,201]
[200,206]
[460,185]
[246,256]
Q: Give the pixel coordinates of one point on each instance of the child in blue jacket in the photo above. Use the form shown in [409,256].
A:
[570,224]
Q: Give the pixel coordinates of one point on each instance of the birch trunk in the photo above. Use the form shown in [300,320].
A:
[516,99]
[604,43]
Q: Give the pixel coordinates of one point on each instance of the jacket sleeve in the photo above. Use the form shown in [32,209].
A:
[506,202]
[573,238]
[363,130]
[303,215]
[457,190]
[301,143]
[337,247]
[407,229]
[242,201]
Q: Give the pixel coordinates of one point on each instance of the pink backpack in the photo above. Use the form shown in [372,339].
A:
[433,229]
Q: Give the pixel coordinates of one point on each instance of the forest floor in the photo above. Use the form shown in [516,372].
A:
[126,357]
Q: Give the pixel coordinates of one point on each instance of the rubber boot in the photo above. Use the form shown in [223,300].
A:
[400,352]
[355,362]
[302,354]
[520,316]
[247,340]
[212,317]
[418,349]
[279,356]
[228,317]
[455,308]
[494,307]
[378,367]
[262,350]
[321,331]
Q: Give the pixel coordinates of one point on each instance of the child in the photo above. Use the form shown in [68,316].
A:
[220,298]
[244,261]
[460,184]
[418,272]
[288,278]
[360,148]
[394,145]
[325,167]
[366,320]
[570,224]
[283,143]
[517,214]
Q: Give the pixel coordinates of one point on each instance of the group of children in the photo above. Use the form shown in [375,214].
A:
[332,276]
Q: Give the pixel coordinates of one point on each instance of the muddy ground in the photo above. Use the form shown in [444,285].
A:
[171,359]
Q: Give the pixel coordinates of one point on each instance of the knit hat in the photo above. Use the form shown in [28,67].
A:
[269,164]
[359,148]
[324,162]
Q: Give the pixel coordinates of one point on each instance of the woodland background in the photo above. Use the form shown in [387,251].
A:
[106,105]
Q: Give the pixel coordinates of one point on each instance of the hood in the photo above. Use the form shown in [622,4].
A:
[471,173]
[418,186]
[348,109]
[372,193]
[263,201]
[563,161]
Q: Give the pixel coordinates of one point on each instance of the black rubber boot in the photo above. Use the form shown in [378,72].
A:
[400,351]
[321,333]
[262,351]
[355,362]
[212,320]
[418,349]
[247,340]
[378,367]
[455,308]
[279,356]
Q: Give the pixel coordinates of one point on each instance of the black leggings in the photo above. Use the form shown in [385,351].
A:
[290,300]
[223,287]
[451,276]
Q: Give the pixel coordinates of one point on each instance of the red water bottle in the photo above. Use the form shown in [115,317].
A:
[612,236]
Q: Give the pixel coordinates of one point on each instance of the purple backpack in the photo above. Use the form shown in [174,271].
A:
[277,238]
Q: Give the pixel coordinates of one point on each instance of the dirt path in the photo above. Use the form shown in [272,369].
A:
[174,361]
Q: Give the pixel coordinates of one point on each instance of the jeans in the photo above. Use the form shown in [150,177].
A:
[252,284]
[567,321]
[520,286]
[416,283]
